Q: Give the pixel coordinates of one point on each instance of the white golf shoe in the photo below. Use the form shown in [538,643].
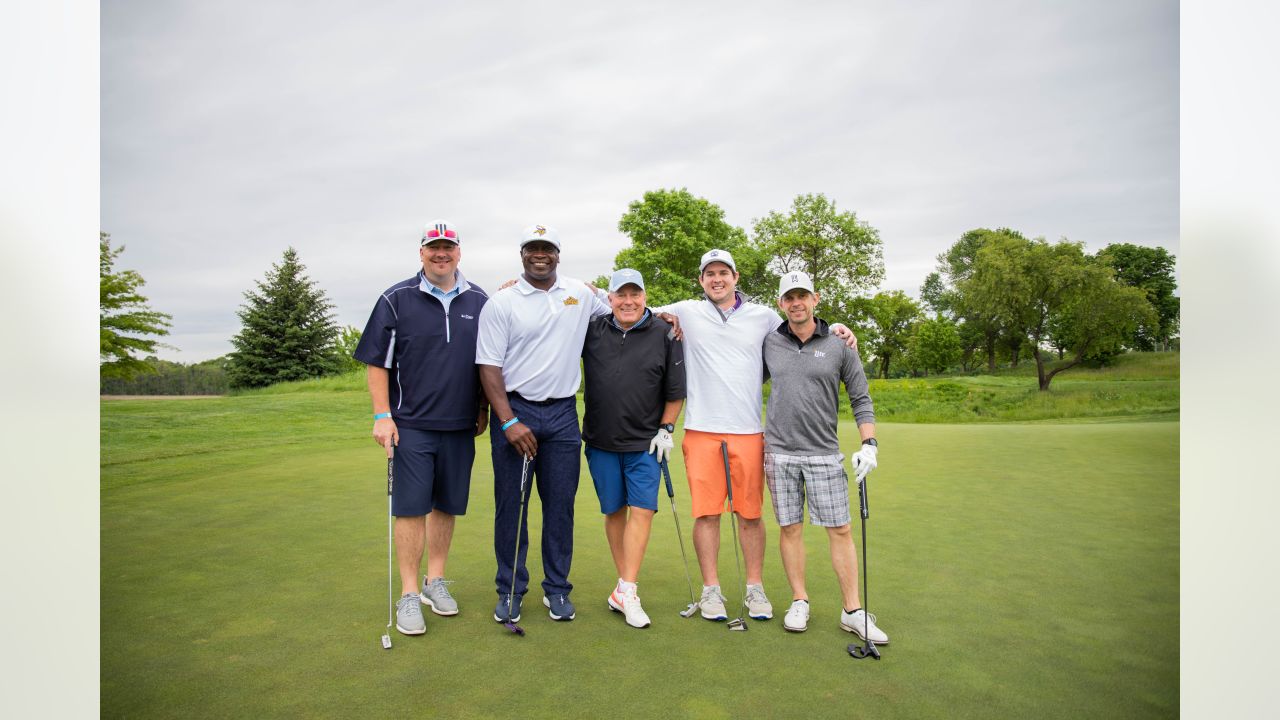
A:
[797,617]
[627,602]
[855,621]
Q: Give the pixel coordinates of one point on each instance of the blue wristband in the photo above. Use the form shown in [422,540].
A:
[509,423]
[380,416]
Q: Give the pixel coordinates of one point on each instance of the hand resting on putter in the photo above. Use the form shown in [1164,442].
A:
[386,434]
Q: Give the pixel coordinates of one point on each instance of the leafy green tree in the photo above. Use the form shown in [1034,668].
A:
[670,230]
[124,317]
[890,316]
[935,344]
[955,265]
[1151,269]
[172,378]
[936,296]
[841,253]
[288,331]
[1025,285]
[348,339]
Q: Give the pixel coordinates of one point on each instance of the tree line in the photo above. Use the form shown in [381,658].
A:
[996,295]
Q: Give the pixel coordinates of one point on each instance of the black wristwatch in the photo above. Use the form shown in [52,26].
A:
[872,442]
[668,427]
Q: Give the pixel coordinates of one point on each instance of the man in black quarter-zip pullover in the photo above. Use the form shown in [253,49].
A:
[635,387]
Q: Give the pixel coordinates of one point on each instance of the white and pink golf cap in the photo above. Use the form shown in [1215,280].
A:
[440,230]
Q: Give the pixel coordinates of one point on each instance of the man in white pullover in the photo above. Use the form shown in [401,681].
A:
[723,337]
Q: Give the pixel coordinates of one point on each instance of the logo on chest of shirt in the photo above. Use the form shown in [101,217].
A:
[819,353]
[571,300]
[467,317]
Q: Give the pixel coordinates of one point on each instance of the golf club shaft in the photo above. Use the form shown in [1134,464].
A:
[515,555]
[671,493]
[390,551]
[866,598]
[733,523]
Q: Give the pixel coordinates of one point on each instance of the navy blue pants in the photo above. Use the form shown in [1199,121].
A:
[554,472]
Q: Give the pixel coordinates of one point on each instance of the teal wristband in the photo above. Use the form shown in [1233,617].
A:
[509,423]
[380,416]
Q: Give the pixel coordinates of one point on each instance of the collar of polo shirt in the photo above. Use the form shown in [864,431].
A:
[526,289]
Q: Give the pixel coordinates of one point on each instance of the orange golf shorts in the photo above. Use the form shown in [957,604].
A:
[704,466]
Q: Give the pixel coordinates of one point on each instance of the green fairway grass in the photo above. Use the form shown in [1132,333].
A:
[1021,570]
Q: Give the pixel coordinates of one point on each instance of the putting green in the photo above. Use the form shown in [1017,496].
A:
[1021,570]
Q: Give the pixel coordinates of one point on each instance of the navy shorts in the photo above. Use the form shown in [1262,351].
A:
[627,478]
[432,470]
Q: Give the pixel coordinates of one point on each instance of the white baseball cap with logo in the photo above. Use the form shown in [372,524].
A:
[793,280]
[440,230]
[625,276]
[722,256]
[543,233]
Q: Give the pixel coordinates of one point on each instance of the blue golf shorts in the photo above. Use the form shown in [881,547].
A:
[432,470]
[627,478]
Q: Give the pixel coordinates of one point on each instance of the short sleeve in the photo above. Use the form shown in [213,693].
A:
[378,341]
[492,334]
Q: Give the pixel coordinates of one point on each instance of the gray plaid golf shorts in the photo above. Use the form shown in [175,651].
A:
[820,477]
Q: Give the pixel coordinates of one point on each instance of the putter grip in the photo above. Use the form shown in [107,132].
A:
[728,484]
[862,499]
[390,475]
[666,476]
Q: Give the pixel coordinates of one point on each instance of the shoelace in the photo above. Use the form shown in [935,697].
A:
[711,594]
[442,584]
[410,608]
[756,595]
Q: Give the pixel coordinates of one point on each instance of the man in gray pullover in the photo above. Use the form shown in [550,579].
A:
[802,456]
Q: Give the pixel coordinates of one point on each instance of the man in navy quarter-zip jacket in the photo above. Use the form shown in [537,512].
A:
[420,348]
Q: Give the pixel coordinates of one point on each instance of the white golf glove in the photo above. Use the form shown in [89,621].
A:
[661,445]
[863,461]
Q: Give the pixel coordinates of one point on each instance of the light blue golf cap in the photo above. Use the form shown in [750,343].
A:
[625,276]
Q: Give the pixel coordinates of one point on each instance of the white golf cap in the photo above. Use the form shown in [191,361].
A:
[535,233]
[440,230]
[717,256]
[625,276]
[792,280]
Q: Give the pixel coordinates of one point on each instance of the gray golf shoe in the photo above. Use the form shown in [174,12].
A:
[409,615]
[435,595]
[758,605]
[712,603]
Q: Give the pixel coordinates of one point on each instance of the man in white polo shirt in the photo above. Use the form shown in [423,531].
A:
[529,345]
[724,339]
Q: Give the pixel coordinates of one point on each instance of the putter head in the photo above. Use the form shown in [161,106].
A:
[689,611]
[738,624]
[386,642]
[861,652]
[514,628]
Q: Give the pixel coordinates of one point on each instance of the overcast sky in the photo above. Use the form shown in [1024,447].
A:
[232,130]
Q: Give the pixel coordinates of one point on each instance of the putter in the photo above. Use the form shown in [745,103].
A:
[515,556]
[869,649]
[737,623]
[671,493]
[386,637]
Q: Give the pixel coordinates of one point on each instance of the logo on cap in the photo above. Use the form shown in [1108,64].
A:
[540,230]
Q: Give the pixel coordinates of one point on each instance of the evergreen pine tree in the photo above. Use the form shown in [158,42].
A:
[288,330]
